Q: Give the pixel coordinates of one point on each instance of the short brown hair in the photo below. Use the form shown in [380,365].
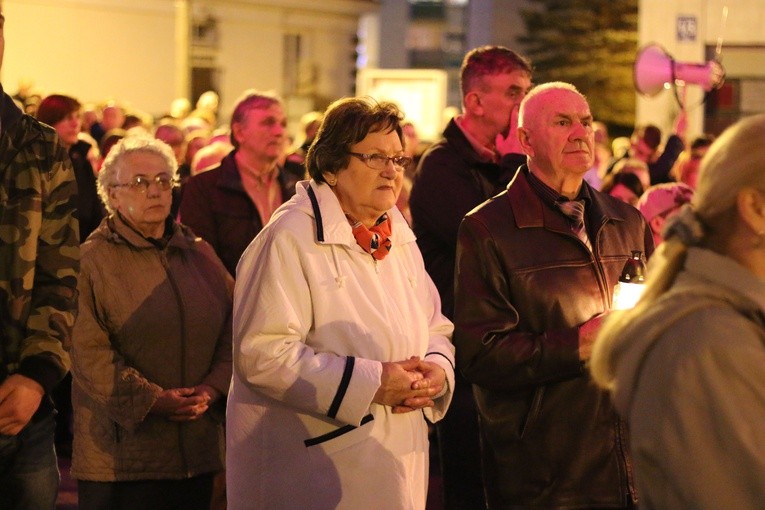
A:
[251,100]
[489,61]
[55,108]
[346,122]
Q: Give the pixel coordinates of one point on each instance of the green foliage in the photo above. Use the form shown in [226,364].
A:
[590,43]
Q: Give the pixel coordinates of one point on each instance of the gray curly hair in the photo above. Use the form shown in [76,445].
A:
[107,177]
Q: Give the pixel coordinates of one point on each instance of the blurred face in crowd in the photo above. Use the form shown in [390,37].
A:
[690,171]
[412,140]
[624,194]
[641,150]
[557,134]
[68,128]
[262,132]
[112,117]
[364,192]
[497,96]
[144,207]
[175,139]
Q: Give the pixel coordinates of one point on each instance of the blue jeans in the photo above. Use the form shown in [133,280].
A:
[28,471]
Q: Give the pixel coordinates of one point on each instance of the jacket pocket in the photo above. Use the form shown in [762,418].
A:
[336,434]
[531,416]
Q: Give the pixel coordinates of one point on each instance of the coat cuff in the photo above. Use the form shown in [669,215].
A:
[43,370]
[356,390]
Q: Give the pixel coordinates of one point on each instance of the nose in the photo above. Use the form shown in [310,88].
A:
[153,190]
[390,170]
[579,131]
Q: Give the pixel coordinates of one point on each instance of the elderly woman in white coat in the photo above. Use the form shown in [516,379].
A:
[340,349]
[685,366]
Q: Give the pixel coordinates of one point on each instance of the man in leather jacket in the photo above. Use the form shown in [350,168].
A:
[532,287]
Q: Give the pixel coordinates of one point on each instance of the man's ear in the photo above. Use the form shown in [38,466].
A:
[472,102]
[523,137]
[236,130]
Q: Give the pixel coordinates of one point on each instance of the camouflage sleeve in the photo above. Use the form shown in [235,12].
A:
[54,287]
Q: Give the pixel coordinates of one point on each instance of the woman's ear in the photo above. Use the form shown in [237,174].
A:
[750,203]
[330,178]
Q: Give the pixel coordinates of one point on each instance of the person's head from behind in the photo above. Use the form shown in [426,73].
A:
[623,186]
[208,101]
[135,182]
[110,139]
[112,116]
[555,129]
[309,124]
[644,143]
[195,140]
[258,126]
[173,136]
[600,131]
[493,81]
[411,138]
[359,152]
[63,114]
[660,202]
[634,166]
[180,108]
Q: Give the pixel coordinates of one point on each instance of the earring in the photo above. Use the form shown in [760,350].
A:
[332,182]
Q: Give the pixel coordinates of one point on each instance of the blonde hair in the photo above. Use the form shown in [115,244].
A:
[735,161]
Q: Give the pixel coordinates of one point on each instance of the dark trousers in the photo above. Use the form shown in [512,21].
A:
[28,471]
[460,451]
[189,494]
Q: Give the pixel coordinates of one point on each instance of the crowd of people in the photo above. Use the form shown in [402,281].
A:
[224,321]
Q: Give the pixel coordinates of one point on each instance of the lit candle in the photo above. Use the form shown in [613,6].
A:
[631,283]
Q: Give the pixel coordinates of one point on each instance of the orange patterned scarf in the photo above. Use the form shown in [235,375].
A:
[373,240]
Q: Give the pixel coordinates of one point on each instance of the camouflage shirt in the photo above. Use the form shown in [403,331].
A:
[39,248]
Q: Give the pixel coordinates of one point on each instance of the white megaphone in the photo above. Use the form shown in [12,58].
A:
[656,70]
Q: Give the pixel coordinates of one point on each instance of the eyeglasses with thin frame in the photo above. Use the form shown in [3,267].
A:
[380,161]
[141,183]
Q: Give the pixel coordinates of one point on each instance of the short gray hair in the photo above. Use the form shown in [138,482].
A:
[534,95]
[114,161]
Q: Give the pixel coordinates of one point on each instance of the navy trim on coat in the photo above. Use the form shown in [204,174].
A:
[316,213]
[336,433]
[345,381]
[444,356]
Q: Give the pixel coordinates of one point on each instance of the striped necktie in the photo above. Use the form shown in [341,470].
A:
[574,211]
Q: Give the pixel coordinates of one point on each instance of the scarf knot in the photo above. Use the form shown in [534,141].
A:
[374,240]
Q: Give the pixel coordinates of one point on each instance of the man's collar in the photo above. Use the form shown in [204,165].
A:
[485,154]
[549,195]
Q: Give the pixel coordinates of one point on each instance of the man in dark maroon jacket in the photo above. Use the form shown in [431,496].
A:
[455,175]
[229,205]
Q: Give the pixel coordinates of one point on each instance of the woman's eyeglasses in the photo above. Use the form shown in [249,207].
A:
[380,161]
[141,184]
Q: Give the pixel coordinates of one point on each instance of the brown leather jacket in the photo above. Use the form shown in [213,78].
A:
[524,284]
